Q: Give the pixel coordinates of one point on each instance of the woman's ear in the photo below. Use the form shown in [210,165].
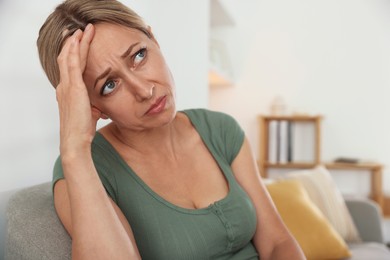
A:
[97,113]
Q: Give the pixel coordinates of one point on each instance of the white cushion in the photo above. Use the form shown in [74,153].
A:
[325,194]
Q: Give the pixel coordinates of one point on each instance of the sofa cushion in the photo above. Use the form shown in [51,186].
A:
[306,222]
[4,198]
[325,194]
[34,230]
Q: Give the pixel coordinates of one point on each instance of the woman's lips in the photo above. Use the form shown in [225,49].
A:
[158,106]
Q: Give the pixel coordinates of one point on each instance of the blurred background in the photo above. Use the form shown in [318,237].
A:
[329,58]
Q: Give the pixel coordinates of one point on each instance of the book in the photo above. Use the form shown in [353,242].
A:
[303,147]
[273,129]
[283,141]
[289,141]
[346,160]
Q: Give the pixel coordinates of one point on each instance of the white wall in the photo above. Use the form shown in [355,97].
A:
[28,109]
[182,28]
[327,57]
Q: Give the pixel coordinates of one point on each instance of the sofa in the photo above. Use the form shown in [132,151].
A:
[30,229]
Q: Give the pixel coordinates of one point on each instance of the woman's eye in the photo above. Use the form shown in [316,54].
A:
[107,88]
[140,55]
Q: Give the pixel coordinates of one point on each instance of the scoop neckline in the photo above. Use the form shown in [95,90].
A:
[155,195]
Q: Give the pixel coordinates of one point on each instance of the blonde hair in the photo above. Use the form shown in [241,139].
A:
[72,15]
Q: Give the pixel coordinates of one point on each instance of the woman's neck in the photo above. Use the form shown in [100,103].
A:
[166,140]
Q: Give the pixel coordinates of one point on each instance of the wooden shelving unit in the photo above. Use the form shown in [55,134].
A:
[220,69]
[375,169]
[264,163]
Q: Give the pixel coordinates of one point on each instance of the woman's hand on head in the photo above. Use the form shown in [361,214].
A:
[77,118]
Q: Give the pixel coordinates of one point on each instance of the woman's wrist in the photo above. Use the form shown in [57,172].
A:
[74,145]
[72,154]
[78,165]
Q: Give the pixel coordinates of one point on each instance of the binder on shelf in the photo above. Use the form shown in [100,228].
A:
[289,141]
[283,141]
[273,128]
[303,150]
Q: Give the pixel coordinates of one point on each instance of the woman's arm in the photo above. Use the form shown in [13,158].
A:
[272,239]
[97,227]
[64,211]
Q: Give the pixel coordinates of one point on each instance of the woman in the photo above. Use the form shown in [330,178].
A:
[154,183]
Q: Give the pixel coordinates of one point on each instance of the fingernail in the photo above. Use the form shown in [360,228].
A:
[76,35]
[88,27]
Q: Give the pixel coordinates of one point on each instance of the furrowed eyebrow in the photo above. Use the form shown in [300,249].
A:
[128,51]
[101,76]
[124,55]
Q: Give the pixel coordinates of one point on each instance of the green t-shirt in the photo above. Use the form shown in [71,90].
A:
[223,230]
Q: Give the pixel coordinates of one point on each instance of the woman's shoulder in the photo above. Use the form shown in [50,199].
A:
[199,115]
[219,130]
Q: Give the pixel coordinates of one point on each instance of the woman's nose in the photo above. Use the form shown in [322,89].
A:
[141,89]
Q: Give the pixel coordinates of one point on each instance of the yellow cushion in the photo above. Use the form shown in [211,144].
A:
[306,222]
[323,192]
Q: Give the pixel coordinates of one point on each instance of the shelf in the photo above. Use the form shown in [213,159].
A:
[375,169]
[218,15]
[218,78]
[220,68]
[354,166]
[386,207]
[265,122]
[297,118]
[295,165]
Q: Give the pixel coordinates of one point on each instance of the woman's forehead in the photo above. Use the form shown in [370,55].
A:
[110,44]
[113,33]
[114,40]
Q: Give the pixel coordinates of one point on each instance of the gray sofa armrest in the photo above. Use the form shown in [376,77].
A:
[34,230]
[4,198]
[367,218]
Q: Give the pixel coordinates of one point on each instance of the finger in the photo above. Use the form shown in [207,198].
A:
[85,44]
[62,59]
[73,62]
